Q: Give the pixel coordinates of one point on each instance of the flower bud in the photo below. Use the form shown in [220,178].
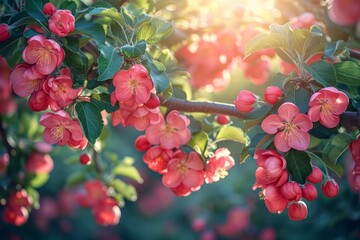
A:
[85,159]
[153,102]
[142,144]
[4,32]
[309,192]
[49,9]
[315,176]
[222,119]
[15,215]
[245,101]
[291,191]
[272,94]
[330,188]
[297,211]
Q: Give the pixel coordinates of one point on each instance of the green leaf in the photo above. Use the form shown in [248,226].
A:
[135,51]
[75,178]
[159,78]
[298,165]
[38,180]
[153,30]
[265,40]
[109,62]
[12,50]
[334,49]
[91,29]
[109,12]
[324,160]
[233,133]
[348,72]
[322,132]
[90,119]
[126,190]
[128,171]
[34,9]
[77,61]
[69,5]
[102,101]
[297,95]
[323,72]
[34,195]
[337,146]
[199,142]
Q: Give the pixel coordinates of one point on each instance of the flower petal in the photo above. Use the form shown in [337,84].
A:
[299,140]
[303,122]
[281,142]
[287,111]
[272,124]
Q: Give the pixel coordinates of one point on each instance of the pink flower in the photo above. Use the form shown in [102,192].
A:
[26,79]
[271,169]
[355,149]
[5,83]
[62,22]
[185,174]
[15,215]
[274,201]
[326,106]
[39,100]
[134,82]
[172,133]
[60,91]
[49,9]
[39,163]
[157,159]
[245,101]
[46,54]
[61,129]
[238,220]
[4,32]
[344,12]
[218,165]
[291,191]
[305,20]
[107,212]
[272,94]
[297,211]
[95,192]
[290,126]
[330,188]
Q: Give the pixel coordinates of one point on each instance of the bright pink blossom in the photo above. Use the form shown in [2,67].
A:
[107,212]
[290,126]
[62,22]
[185,174]
[218,165]
[326,105]
[172,133]
[26,79]
[61,129]
[134,82]
[297,211]
[330,188]
[245,101]
[291,191]
[272,94]
[95,192]
[46,54]
[39,163]
[157,158]
[271,169]
[344,12]
[4,32]
[274,200]
[60,90]
[49,9]
[39,100]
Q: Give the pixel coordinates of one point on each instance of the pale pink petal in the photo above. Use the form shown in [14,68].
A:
[169,141]
[142,94]
[303,122]
[142,123]
[272,124]
[328,119]
[123,92]
[314,113]
[287,111]
[281,142]
[171,179]
[194,161]
[48,137]
[341,103]
[193,178]
[175,120]
[46,64]
[299,140]
[153,133]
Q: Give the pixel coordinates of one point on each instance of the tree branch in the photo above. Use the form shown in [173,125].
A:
[97,162]
[351,119]
[204,107]
[354,54]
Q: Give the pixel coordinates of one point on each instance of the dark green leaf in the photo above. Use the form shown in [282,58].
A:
[109,62]
[77,61]
[199,142]
[90,119]
[126,190]
[348,72]
[259,112]
[337,146]
[12,50]
[322,132]
[159,78]
[30,32]
[128,171]
[297,95]
[323,72]
[91,29]
[298,165]
[233,133]
[102,101]
[109,12]
[69,5]
[135,51]
[334,49]
[34,9]
[153,30]
[324,160]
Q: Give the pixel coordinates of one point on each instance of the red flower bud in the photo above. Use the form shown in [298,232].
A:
[85,159]
[297,211]
[153,102]
[142,144]
[222,119]
[315,176]
[15,215]
[4,32]
[291,191]
[245,101]
[272,94]
[49,9]
[309,192]
[330,188]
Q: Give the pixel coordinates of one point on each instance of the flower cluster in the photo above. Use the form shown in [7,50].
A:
[279,193]
[104,207]
[7,104]
[355,152]
[17,209]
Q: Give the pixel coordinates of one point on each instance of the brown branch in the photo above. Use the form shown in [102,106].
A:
[97,162]
[203,107]
[354,54]
[351,119]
